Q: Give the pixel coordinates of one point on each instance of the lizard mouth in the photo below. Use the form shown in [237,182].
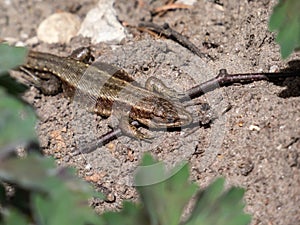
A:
[182,118]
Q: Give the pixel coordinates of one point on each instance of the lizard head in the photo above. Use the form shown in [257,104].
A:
[158,112]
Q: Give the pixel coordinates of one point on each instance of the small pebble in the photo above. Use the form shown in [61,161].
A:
[246,167]
[88,167]
[254,127]
[187,2]
[110,198]
[95,177]
[274,69]
[32,41]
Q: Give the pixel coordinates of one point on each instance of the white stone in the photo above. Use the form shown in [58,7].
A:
[274,69]
[101,24]
[59,28]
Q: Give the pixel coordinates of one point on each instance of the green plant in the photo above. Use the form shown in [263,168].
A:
[163,202]
[33,189]
[286,20]
[14,129]
[43,193]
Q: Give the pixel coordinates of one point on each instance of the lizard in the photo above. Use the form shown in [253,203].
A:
[106,88]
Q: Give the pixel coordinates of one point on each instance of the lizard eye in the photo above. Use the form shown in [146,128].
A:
[159,113]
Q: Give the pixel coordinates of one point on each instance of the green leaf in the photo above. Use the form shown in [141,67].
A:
[215,207]
[164,201]
[63,207]
[57,195]
[208,197]
[163,196]
[17,121]
[11,57]
[131,214]
[33,173]
[286,20]
[11,86]
[13,217]
[38,173]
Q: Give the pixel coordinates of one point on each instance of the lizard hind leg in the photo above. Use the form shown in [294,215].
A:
[156,85]
[46,83]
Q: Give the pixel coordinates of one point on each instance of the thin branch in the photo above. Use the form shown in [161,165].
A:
[168,32]
[172,6]
[225,79]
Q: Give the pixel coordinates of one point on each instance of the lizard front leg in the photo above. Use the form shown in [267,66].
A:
[130,130]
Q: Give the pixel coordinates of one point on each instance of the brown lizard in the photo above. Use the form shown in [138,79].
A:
[105,89]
